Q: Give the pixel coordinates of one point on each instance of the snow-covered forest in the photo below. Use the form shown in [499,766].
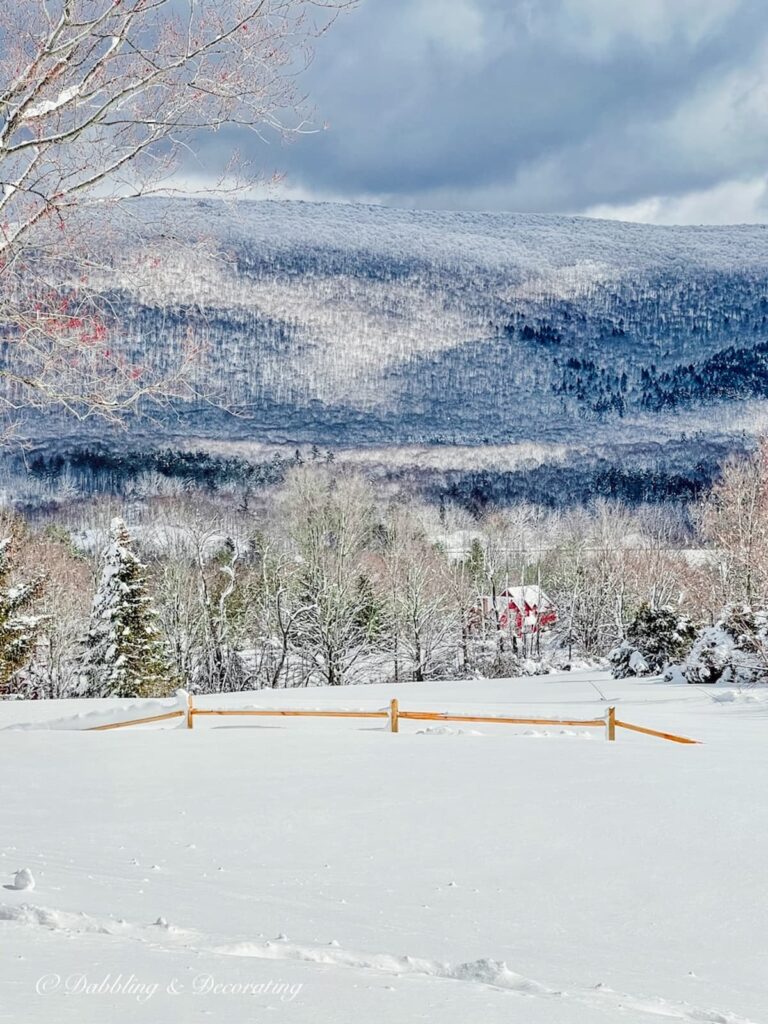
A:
[42,478]
[321,578]
[631,357]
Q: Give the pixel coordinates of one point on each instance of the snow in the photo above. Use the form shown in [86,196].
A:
[750,695]
[321,870]
[101,712]
[23,879]
[48,106]
[637,663]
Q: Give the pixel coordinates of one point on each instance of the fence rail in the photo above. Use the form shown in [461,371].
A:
[393,714]
[294,714]
[446,716]
[136,721]
[655,732]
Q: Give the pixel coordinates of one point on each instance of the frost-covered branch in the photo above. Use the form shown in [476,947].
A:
[100,101]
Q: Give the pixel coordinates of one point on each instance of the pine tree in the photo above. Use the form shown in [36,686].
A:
[18,631]
[125,655]
[656,637]
[733,651]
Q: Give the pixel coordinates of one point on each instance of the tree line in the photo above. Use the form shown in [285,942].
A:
[329,580]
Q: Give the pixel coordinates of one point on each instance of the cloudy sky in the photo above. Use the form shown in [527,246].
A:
[643,109]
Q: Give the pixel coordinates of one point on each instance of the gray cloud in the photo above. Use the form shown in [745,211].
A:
[547,105]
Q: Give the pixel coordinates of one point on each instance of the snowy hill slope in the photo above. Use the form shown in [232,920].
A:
[522,875]
[323,321]
[365,325]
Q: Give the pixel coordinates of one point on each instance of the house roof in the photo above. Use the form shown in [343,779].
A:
[532,596]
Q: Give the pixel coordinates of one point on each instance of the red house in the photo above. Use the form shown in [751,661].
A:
[525,609]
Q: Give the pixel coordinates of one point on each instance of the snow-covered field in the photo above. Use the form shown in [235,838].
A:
[328,872]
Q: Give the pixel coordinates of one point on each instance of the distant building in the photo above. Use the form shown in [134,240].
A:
[522,609]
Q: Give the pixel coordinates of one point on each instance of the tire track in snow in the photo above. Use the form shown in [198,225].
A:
[487,972]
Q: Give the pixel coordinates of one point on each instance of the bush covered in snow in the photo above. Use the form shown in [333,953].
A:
[490,664]
[655,638]
[626,660]
[733,651]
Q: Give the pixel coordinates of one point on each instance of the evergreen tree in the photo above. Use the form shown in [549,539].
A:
[125,655]
[18,630]
[662,635]
[371,613]
[733,651]
[656,637]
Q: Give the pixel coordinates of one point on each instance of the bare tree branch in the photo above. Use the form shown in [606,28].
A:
[99,102]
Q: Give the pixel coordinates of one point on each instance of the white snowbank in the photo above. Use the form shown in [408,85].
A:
[113,713]
[595,1002]
[747,696]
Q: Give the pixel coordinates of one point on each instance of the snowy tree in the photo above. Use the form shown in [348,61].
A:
[203,606]
[734,650]
[99,101]
[276,613]
[463,582]
[18,629]
[734,518]
[626,661]
[495,565]
[655,638]
[413,590]
[63,605]
[586,588]
[220,669]
[329,519]
[125,654]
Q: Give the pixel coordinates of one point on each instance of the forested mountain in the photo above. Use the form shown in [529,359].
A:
[354,325]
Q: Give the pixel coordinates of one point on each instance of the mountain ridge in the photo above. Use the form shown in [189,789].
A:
[349,325]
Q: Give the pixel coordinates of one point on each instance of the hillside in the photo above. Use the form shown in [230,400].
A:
[354,325]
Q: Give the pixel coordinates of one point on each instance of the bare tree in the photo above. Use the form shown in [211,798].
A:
[734,519]
[200,581]
[99,100]
[330,519]
[463,578]
[179,612]
[495,564]
[221,667]
[64,608]
[276,611]
[588,579]
[413,586]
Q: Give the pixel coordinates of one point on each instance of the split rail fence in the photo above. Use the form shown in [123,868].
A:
[394,715]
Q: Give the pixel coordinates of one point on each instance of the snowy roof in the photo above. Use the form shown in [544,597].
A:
[532,596]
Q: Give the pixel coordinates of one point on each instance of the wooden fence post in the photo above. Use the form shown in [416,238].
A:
[394,716]
[610,724]
[190,711]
